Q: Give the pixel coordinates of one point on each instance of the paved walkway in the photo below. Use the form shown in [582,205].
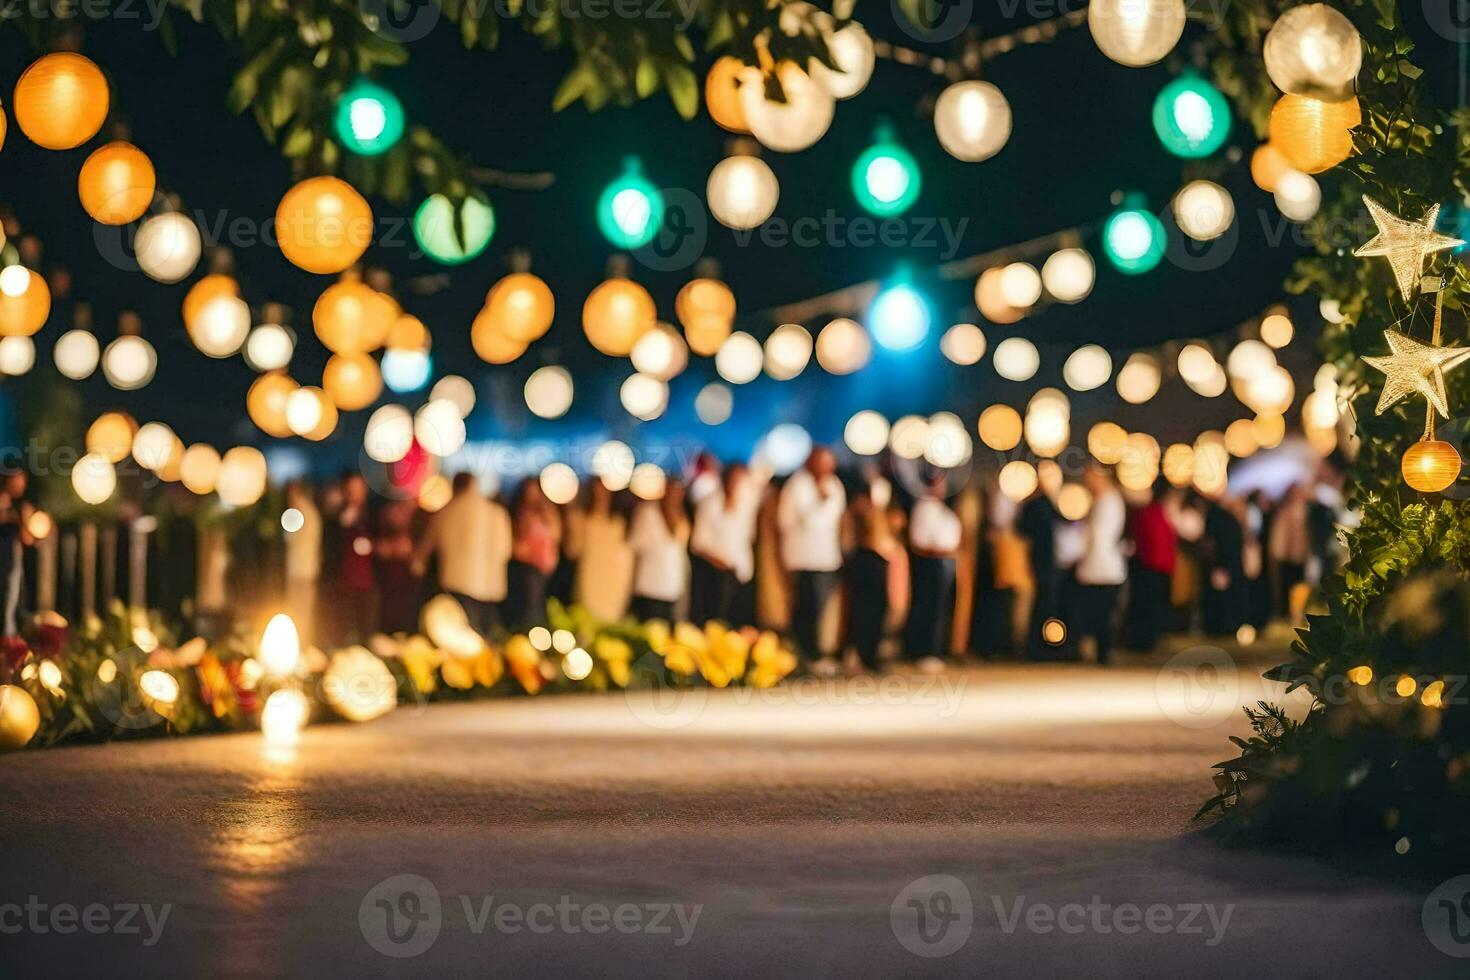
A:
[1025,821]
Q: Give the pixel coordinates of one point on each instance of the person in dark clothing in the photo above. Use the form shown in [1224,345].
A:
[1225,584]
[867,580]
[1037,525]
[1155,552]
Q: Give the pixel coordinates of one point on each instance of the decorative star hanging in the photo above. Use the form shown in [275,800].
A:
[1406,244]
[1415,368]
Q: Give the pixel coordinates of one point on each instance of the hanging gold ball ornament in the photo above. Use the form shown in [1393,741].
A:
[352,317]
[266,402]
[1314,135]
[116,183]
[1136,33]
[617,313]
[490,341]
[521,306]
[61,101]
[706,309]
[25,301]
[1431,465]
[323,225]
[722,94]
[19,717]
[794,124]
[1314,50]
[352,381]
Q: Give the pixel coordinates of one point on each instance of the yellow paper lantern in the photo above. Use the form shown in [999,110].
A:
[61,101]
[617,313]
[4,125]
[490,342]
[1268,166]
[1431,465]
[706,309]
[19,717]
[94,478]
[203,292]
[25,302]
[352,317]
[112,436]
[1000,428]
[521,307]
[116,183]
[242,476]
[266,403]
[352,381]
[199,470]
[323,225]
[1313,135]
[722,94]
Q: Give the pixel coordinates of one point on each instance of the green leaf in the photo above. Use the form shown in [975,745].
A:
[683,90]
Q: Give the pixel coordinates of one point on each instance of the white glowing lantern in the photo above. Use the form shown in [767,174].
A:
[1196,363]
[742,192]
[783,449]
[1277,330]
[1211,468]
[794,124]
[17,355]
[963,343]
[221,326]
[304,410]
[155,445]
[714,403]
[242,476]
[1248,358]
[128,363]
[94,478]
[439,428]
[280,646]
[559,483]
[660,353]
[972,120]
[1138,466]
[1106,441]
[1270,392]
[457,390]
[1211,385]
[1178,464]
[1298,195]
[1048,428]
[852,49]
[1314,51]
[909,437]
[739,358]
[1203,210]
[613,464]
[1319,410]
[843,346]
[1016,359]
[1136,32]
[866,433]
[389,434]
[1087,367]
[1068,275]
[269,347]
[284,716]
[76,354]
[1018,479]
[1020,285]
[1073,502]
[549,392]
[1139,379]
[788,349]
[167,247]
[648,481]
[199,469]
[643,397]
[948,442]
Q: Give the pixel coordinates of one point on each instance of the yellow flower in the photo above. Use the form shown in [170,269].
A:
[525,664]
[679,659]
[458,673]
[656,632]
[489,667]
[615,655]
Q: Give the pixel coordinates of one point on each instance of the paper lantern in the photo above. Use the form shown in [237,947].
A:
[408,333]
[643,397]
[453,236]
[4,126]
[714,404]
[866,433]
[1270,429]
[1018,480]
[323,225]
[706,309]
[972,120]
[20,718]
[843,346]
[648,481]
[630,210]
[17,355]
[661,353]
[1240,438]
[111,436]
[242,476]
[963,344]
[1203,210]
[899,317]
[559,483]
[61,101]
[1106,442]
[722,94]
[1139,379]
[167,247]
[1195,363]
[1178,464]
[389,434]
[742,191]
[1136,32]
[886,178]
[352,381]
[1298,195]
[1191,118]
[787,351]
[1314,135]
[1314,50]
[613,464]
[351,317]
[154,445]
[739,358]
[1276,330]
[618,312]
[1047,428]
[1431,465]
[1020,285]
[266,402]
[948,444]
[1073,502]
[76,354]
[128,363]
[406,370]
[1000,428]
[438,427]
[1268,165]
[1016,359]
[990,297]
[549,392]
[520,307]
[1087,367]
[1068,275]
[25,301]
[221,326]
[1138,466]
[205,291]
[1134,240]
[116,184]
[310,414]
[852,49]
[94,478]
[490,342]
[199,471]
[457,390]
[794,124]
[369,119]
[908,437]
[269,347]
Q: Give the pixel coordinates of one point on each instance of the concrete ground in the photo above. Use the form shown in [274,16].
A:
[1012,821]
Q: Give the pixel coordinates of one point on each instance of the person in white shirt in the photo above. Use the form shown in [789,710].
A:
[303,560]
[659,538]
[810,519]
[1103,568]
[471,539]
[935,533]
[724,537]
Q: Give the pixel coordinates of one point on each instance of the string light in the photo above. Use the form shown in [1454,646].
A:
[369,119]
[899,318]
[631,209]
[886,178]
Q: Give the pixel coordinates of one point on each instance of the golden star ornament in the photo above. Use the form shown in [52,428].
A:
[1415,368]
[1406,244]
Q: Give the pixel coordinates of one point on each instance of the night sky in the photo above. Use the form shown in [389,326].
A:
[1082,131]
